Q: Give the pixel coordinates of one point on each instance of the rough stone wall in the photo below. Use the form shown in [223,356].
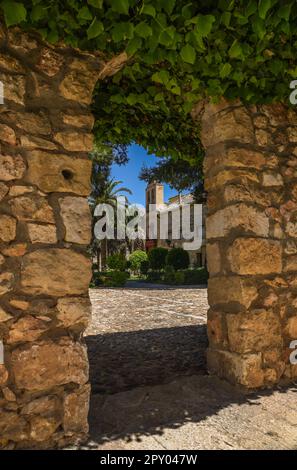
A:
[251,179]
[45,136]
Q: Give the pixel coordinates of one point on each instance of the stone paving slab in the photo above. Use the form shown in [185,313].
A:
[193,413]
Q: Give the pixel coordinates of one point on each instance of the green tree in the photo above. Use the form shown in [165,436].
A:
[117,262]
[178,258]
[107,195]
[157,258]
[136,259]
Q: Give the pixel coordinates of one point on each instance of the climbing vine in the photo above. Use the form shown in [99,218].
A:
[179,52]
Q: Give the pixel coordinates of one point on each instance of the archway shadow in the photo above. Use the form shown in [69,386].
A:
[144,382]
[122,361]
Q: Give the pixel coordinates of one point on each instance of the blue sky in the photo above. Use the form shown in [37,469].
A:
[129,174]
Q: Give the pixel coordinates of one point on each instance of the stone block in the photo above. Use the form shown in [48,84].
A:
[59,173]
[76,216]
[11,167]
[74,141]
[231,289]
[73,311]
[253,332]
[7,228]
[32,207]
[76,409]
[55,272]
[255,256]
[47,364]
[244,370]
[213,258]
[42,233]
[241,216]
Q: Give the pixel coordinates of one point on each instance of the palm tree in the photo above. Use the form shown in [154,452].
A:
[108,195]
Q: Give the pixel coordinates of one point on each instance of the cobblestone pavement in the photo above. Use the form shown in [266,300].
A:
[145,336]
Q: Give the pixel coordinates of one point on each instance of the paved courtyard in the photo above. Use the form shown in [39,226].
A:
[145,336]
[150,388]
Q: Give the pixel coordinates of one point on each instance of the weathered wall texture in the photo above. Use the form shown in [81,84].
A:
[251,179]
[45,135]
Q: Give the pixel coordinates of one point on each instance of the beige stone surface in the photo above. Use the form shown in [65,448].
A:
[46,364]
[19,304]
[42,233]
[7,135]
[213,258]
[272,179]
[7,228]
[32,207]
[75,141]
[18,249]
[245,370]
[241,216]
[11,168]
[73,311]
[6,282]
[59,173]
[254,332]
[13,426]
[33,142]
[219,156]
[78,85]
[77,120]
[14,87]
[55,272]
[291,327]
[42,428]
[76,409]
[20,190]
[3,190]
[28,328]
[223,290]
[255,256]
[50,62]
[32,122]
[225,177]
[4,316]
[76,216]
[233,125]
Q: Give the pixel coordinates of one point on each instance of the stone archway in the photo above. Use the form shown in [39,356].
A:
[251,178]
[44,181]
[45,228]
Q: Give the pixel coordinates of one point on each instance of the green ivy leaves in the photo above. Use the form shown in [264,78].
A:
[120,6]
[223,46]
[95,29]
[188,54]
[14,12]
[264,6]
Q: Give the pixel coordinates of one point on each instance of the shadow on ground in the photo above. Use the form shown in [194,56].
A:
[122,361]
[220,416]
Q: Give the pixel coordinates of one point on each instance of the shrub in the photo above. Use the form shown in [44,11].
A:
[157,258]
[178,258]
[154,276]
[196,276]
[169,276]
[136,258]
[128,264]
[144,266]
[116,279]
[179,278]
[117,262]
